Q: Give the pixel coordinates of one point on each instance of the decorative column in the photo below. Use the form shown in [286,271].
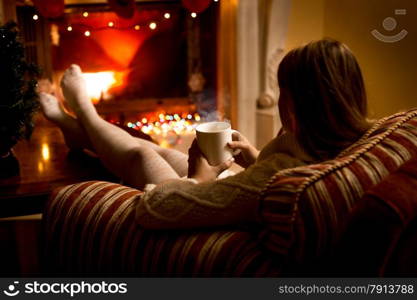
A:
[227,61]
[252,36]
[248,68]
[274,29]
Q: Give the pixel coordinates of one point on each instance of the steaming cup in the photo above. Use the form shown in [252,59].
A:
[212,139]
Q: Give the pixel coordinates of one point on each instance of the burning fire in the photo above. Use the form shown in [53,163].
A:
[99,83]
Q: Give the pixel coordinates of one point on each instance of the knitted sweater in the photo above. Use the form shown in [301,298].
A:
[184,203]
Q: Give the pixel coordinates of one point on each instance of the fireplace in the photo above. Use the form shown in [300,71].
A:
[155,72]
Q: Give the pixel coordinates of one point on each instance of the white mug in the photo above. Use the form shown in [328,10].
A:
[212,139]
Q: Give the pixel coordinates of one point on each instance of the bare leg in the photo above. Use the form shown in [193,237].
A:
[134,162]
[176,159]
[76,137]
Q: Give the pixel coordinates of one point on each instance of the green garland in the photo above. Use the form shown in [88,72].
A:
[18,82]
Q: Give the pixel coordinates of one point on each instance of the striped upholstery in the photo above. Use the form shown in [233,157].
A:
[90,227]
[381,226]
[321,197]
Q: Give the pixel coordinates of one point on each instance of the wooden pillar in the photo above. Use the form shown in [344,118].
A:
[7,11]
[1,12]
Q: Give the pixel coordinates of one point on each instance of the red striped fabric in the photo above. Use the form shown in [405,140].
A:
[322,196]
[90,227]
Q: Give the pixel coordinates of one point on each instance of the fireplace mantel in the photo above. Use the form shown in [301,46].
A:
[82,2]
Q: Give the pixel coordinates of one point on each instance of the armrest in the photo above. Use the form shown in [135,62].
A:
[90,230]
[81,221]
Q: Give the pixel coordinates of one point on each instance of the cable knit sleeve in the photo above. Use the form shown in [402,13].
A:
[183,203]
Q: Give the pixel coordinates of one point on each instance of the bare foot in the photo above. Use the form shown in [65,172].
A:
[74,134]
[51,108]
[75,91]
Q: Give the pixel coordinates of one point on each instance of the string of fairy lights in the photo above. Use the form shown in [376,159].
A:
[167,129]
[87,30]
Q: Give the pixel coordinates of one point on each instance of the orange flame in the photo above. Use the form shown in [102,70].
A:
[98,84]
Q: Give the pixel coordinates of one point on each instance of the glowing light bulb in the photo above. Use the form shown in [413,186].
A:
[45,152]
[85,14]
[193,15]
[87,33]
[35,17]
[110,24]
[137,27]
[69,28]
[216,0]
[152,26]
[167,15]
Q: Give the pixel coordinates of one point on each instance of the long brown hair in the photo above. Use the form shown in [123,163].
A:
[327,97]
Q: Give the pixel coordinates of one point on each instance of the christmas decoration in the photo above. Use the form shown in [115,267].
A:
[82,27]
[196,6]
[19,99]
[167,129]
[50,8]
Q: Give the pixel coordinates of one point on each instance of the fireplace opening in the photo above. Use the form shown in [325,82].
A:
[155,72]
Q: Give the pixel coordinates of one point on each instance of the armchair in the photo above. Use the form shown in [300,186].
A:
[317,220]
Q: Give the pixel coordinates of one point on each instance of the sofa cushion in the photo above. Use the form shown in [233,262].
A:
[320,197]
[377,223]
[403,261]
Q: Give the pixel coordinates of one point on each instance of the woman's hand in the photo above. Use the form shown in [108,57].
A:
[199,168]
[248,154]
